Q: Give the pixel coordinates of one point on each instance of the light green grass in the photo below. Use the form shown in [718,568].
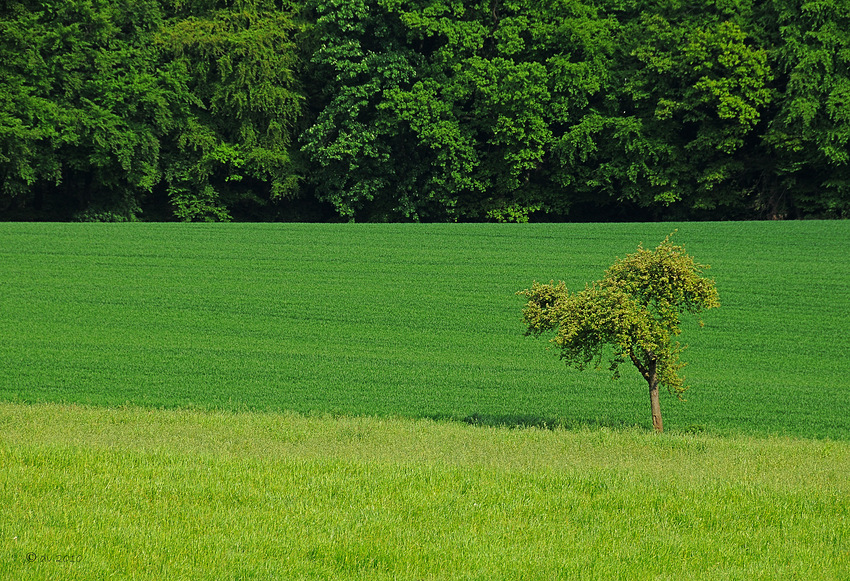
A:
[159,494]
[413,320]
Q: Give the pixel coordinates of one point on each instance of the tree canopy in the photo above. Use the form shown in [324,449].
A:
[108,107]
[503,110]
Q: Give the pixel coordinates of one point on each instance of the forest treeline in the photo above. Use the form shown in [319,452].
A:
[431,110]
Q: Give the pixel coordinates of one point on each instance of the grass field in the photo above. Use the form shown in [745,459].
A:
[132,493]
[413,320]
[280,402]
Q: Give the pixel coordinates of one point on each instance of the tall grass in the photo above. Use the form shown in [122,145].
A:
[412,320]
[130,493]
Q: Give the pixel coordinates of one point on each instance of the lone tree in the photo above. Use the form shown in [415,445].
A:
[634,309]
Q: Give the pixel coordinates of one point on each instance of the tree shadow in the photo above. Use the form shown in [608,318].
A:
[520,421]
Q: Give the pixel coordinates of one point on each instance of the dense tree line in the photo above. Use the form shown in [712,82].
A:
[424,109]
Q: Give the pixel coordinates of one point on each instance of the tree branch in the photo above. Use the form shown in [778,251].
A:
[640,366]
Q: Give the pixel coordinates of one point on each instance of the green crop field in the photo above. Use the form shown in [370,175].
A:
[413,320]
[288,402]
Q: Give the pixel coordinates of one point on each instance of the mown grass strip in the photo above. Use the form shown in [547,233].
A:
[152,494]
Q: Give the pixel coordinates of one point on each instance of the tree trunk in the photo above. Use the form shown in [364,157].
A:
[650,373]
[654,402]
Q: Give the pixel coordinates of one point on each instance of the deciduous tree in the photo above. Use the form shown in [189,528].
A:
[631,314]
[234,131]
[809,132]
[82,106]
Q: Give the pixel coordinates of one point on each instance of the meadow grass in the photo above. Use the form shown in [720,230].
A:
[133,493]
[415,320]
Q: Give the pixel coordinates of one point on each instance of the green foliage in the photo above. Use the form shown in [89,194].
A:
[696,86]
[359,159]
[240,107]
[513,213]
[439,110]
[81,104]
[809,136]
[105,103]
[424,110]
